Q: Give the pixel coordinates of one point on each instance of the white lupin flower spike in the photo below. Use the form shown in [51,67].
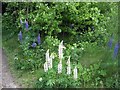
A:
[75,73]
[60,50]
[47,57]
[68,62]
[68,70]
[45,67]
[50,60]
[68,67]
[60,67]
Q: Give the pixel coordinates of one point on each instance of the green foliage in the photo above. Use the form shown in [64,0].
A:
[84,28]
[51,43]
[32,58]
[85,19]
[92,76]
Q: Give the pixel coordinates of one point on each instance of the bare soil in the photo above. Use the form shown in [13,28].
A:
[6,78]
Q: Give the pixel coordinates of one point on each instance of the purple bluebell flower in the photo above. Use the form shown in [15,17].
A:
[116,48]
[26,24]
[38,39]
[110,42]
[20,36]
[34,45]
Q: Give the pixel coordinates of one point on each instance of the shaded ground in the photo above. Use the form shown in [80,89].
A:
[7,81]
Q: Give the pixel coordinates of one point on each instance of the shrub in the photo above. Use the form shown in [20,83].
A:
[75,19]
[93,76]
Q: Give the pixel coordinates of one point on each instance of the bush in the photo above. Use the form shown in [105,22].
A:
[84,28]
[85,19]
[93,76]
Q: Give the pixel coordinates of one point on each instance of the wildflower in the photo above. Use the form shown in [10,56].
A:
[72,48]
[16,58]
[68,70]
[68,67]
[110,42]
[82,48]
[38,39]
[45,67]
[26,25]
[116,50]
[60,67]
[60,50]
[34,45]
[50,63]
[75,73]
[20,36]
[68,62]
[40,79]
[50,60]
[21,22]
[47,55]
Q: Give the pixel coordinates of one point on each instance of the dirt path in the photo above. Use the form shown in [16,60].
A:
[6,79]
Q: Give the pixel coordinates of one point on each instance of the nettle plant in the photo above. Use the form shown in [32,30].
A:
[60,72]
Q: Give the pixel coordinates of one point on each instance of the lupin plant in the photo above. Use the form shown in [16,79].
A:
[60,50]
[60,67]
[68,62]
[26,24]
[68,67]
[110,42]
[75,73]
[21,22]
[39,39]
[48,62]
[45,67]
[20,36]
[33,45]
[51,60]
[116,48]
[47,56]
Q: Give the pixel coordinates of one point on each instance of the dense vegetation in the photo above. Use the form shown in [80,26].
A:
[89,33]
